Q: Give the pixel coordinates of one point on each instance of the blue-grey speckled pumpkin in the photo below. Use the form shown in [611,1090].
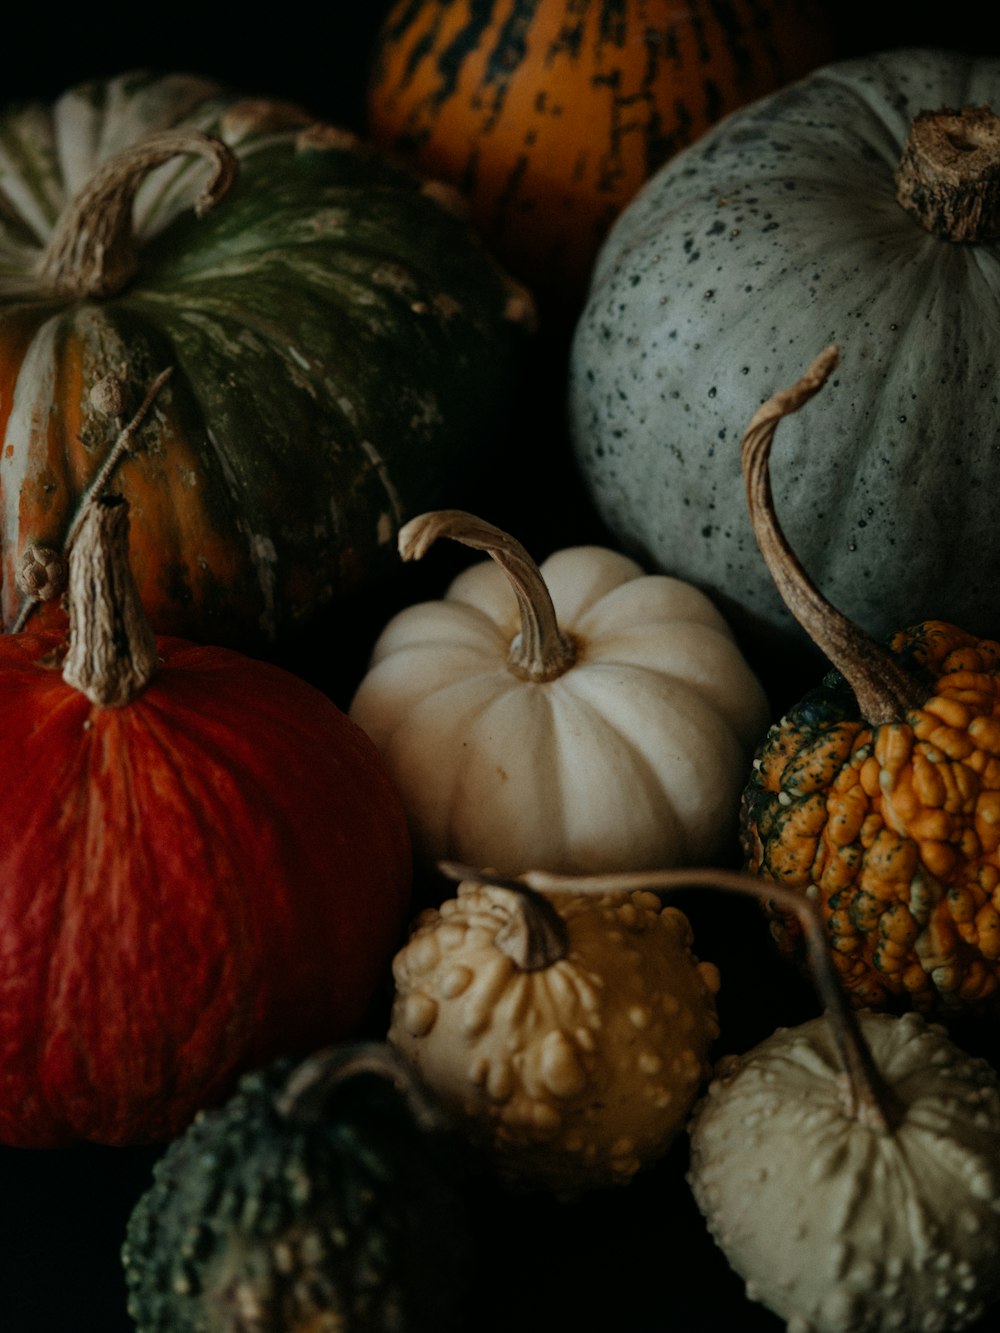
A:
[776,234]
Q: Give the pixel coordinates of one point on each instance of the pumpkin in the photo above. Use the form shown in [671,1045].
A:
[802,220]
[272,475]
[321,1195]
[580,715]
[567,1036]
[203,864]
[549,115]
[876,793]
[849,1167]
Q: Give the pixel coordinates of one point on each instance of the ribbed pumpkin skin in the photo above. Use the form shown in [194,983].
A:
[895,829]
[551,114]
[341,343]
[210,875]
[775,235]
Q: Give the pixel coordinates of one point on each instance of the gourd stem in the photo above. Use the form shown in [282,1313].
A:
[112,650]
[540,651]
[310,1088]
[535,935]
[884,691]
[870,1101]
[93,251]
[948,176]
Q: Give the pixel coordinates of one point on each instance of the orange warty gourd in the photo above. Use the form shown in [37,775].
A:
[549,114]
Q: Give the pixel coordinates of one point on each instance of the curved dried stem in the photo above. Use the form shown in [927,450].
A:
[540,651]
[870,1100]
[884,691]
[93,251]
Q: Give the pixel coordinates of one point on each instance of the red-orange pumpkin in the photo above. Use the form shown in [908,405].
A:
[204,871]
[550,114]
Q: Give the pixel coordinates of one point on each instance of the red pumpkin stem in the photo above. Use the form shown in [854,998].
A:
[869,1100]
[93,251]
[112,650]
[42,570]
[948,176]
[540,651]
[884,691]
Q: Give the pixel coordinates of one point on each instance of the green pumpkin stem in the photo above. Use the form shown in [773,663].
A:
[112,650]
[310,1090]
[540,651]
[948,176]
[93,251]
[868,1098]
[885,692]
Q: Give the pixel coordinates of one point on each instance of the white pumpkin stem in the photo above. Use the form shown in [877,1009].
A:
[540,651]
[112,650]
[948,176]
[869,1099]
[93,251]
[884,691]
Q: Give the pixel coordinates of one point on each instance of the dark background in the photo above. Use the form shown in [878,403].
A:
[636,1261]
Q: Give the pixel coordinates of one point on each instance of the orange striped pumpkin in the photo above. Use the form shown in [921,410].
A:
[549,114]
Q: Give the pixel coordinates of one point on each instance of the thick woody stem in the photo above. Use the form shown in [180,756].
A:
[884,691]
[112,650]
[870,1100]
[540,651]
[948,176]
[93,250]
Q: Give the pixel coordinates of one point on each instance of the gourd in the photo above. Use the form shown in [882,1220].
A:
[203,864]
[849,1167]
[830,211]
[576,716]
[272,476]
[877,793]
[321,1195]
[567,1036]
[549,115]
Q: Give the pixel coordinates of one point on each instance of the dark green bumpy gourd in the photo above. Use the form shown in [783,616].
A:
[321,1197]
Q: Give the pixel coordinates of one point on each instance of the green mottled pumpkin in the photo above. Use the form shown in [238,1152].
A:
[338,342]
[321,1196]
[778,232]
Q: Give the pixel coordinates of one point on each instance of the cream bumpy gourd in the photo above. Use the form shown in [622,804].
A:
[578,716]
[569,1037]
[849,1167]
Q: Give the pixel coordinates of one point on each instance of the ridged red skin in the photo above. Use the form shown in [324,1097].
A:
[215,873]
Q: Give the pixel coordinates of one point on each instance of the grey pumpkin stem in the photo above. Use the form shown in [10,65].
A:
[869,1099]
[540,651]
[885,692]
[948,177]
[93,251]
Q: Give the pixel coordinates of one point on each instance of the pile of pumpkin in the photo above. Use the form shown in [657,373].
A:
[245,361]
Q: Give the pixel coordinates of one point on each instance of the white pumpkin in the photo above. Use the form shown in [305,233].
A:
[580,717]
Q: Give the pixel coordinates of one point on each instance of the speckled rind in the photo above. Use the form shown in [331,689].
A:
[834,1227]
[773,236]
[574,1076]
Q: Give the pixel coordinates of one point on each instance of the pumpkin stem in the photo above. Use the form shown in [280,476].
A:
[540,651]
[534,937]
[870,1100]
[312,1085]
[948,176]
[884,691]
[42,572]
[112,650]
[93,251]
